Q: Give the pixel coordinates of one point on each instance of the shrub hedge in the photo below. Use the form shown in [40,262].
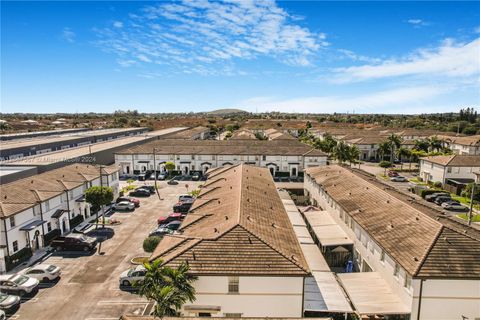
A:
[17,258]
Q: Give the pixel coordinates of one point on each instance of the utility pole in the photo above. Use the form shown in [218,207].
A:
[155,174]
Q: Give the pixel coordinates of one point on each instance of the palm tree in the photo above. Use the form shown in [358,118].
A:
[401,153]
[170,288]
[353,154]
[435,144]
[421,144]
[341,152]
[395,143]
[384,148]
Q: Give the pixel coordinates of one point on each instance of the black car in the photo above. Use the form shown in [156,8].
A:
[172,181]
[441,199]
[182,207]
[433,196]
[174,225]
[150,189]
[140,193]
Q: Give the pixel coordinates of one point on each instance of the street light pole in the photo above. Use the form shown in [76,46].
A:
[155,174]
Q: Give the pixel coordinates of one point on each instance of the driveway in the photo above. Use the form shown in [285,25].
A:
[89,286]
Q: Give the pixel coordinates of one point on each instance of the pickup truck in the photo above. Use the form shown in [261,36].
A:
[74,242]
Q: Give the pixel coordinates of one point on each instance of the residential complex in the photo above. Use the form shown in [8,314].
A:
[287,157]
[40,206]
[240,243]
[451,168]
[430,262]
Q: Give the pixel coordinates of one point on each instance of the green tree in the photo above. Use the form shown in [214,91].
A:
[341,152]
[467,192]
[169,166]
[169,288]
[435,144]
[403,153]
[384,148]
[353,154]
[98,196]
[395,143]
[150,243]
[385,165]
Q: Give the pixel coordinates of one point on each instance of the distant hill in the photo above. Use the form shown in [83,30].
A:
[223,112]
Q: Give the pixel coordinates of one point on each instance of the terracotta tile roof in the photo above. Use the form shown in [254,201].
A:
[455,160]
[189,133]
[132,317]
[237,225]
[224,147]
[243,134]
[407,230]
[462,140]
[25,193]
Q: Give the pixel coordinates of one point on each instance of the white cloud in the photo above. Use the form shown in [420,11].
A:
[407,98]
[209,33]
[118,24]
[418,23]
[451,59]
[68,35]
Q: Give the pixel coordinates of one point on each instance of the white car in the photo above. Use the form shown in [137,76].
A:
[162,176]
[132,276]
[18,284]
[124,205]
[8,302]
[42,272]
[398,179]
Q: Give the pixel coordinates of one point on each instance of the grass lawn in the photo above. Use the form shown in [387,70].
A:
[418,182]
[464,201]
[464,216]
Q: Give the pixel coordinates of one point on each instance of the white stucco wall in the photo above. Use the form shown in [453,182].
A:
[257,297]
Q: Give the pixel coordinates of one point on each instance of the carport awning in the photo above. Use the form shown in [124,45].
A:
[324,293]
[32,225]
[58,213]
[143,161]
[370,294]
[325,228]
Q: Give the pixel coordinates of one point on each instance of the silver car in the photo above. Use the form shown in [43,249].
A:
[132,276]
[18,284]
[124,206]
[42,272]
[8,301]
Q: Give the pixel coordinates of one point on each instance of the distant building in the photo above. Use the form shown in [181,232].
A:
[238,240]
[281,157]
[452,167]
[468,145]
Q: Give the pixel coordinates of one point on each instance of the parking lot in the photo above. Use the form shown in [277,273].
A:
[88,288]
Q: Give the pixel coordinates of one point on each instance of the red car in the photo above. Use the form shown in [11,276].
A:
[135,201]
[171,217]
[392,174]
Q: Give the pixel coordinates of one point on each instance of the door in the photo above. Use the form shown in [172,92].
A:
[127,169]
[294,172]
[272,171]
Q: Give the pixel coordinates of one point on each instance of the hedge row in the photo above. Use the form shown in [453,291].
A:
[18,257]
[75,221]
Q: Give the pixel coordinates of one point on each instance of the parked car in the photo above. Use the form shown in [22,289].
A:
[196,176]
[42,272]
[185,197]
[171,217]
[454,206]
[74,242]
[160,231]
[393,173]
[162,176]
[135,201]
[444,204]
[140,193]
[441,199]
[18,284]
[431,197]
[398,179]
[150,189]
[174,225]
[124,206]
[183,207]
[132,276]
[8,301]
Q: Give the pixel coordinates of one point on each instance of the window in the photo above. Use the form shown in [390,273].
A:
[382,256]
[396,271]
[233,284]
[12,221]
[193,157]
[264,158]
[15,246]
[232,315]
[49,227]
[408,281]
[449,169]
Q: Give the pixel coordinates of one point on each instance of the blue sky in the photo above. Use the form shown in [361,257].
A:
[290,56]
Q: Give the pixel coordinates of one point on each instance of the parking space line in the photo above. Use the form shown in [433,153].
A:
[121,302]
[101,318]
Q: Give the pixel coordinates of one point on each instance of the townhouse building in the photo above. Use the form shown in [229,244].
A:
[429,262]
[281,157]
[466,145]
[37,208]
[239,242]
[460,168]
